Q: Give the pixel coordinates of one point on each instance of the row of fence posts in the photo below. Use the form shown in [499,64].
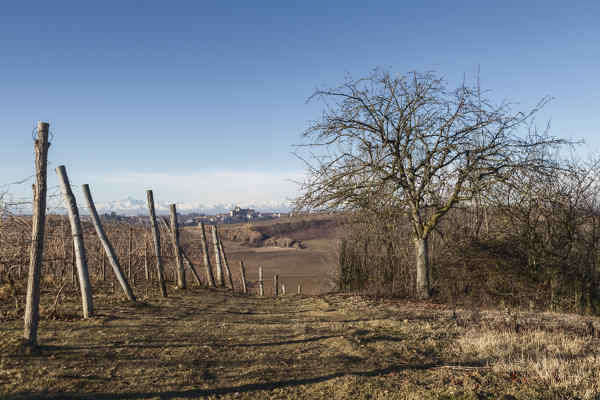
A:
[31,317]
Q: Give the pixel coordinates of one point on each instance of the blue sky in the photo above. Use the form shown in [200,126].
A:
[210,96]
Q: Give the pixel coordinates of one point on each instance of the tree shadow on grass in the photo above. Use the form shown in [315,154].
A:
[164,344]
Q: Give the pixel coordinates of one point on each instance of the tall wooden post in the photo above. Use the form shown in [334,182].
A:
[80,258]
[32,305]
[243,274]
[276,285]
[156,237]
[108,248]
[226,264]
[217,256]
[177,248]
[261,287]
[207,267]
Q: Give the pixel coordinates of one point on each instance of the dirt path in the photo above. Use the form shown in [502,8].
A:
[207,343]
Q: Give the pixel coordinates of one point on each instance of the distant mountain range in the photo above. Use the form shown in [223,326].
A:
[131,206]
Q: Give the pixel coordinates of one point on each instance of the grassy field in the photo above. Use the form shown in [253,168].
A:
[202,343]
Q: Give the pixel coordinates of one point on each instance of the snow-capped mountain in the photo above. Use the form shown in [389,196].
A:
[131,206]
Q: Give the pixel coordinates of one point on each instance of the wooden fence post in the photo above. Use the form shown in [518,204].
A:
[226,263]
[260,282]
[32,304]
[283,289]
[299,289]
[80,258]
[276,284]
[217,256]
[208,269]
[243,274]
[156,237]
[177,247]
[108,248]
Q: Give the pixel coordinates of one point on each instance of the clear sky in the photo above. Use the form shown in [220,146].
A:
[202,101]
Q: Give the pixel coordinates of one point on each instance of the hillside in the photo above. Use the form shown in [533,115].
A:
[203,343]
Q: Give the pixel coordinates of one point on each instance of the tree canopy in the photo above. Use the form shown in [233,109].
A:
[409,144]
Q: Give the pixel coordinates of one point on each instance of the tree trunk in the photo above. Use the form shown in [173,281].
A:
[156,237]
[108,248]
[209,275]
[80,258]
[177,248]
[422,255]
[32,305]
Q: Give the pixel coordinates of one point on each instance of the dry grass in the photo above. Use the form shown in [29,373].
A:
[203,343]
[568,364]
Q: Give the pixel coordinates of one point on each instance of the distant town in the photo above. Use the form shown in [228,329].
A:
[235,215]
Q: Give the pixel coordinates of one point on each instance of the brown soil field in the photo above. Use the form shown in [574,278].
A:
[310,267]
[206,343]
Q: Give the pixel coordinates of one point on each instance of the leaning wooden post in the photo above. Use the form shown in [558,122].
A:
[207,267]
[177,248]
[283,289]
[276,284]
[226,263]
[32,303]
[156,237]
[187,261]
[260,282]
[217,256]
[185,257]
[80,258]
[243,274]
[108,248]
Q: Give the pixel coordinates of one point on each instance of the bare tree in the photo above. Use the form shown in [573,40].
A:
[408,145]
